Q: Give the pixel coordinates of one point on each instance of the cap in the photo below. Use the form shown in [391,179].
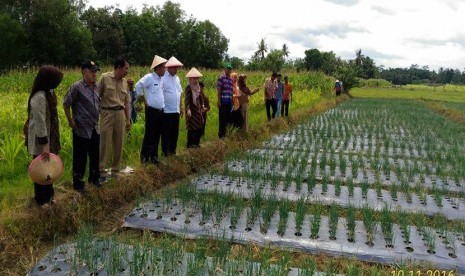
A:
[228,66]
[46,172]
[89,64]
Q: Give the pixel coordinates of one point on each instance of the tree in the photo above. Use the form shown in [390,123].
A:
[262,49]
[285,50]
[213,45]
[107,33]
[274,61]
[13,49]
[237,63]
[56,34]
[347,73]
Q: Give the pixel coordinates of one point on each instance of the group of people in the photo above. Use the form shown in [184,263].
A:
[100,113]
[233,99]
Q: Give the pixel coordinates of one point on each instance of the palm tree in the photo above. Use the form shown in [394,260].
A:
[262,48]
[285,50]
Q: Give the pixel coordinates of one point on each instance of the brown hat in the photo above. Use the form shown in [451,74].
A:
[46,172]
[157,60]
[173,62]
[193,73]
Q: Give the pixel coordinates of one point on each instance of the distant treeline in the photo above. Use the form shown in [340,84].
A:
[64,32]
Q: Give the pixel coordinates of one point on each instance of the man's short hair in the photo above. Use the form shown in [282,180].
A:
[279,75]
[119,62]
[274,74]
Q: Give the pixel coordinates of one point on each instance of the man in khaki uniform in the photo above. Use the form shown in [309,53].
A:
[114,114]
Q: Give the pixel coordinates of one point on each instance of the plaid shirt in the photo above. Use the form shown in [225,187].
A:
[84,102]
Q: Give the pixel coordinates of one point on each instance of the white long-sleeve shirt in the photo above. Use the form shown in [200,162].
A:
[151,86]
[172,91]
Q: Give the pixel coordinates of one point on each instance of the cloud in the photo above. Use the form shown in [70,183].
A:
[458,40]
[344,2]
[383,10]
[301,35]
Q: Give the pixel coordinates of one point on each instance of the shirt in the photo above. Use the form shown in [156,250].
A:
[279,90]
[84,102]
[270,87]
[225,87]
[287,91]
[112,92]
[151,87]
[172,93]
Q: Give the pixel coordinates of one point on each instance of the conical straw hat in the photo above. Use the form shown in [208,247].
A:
[46,172]
[173,62]
[157,60]
[194,73]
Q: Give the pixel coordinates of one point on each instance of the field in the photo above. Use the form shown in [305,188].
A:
[367,187]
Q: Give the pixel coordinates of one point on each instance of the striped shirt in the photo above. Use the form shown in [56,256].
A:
[84,102]
[225,88]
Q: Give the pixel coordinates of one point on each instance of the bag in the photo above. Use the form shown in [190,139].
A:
[26,131]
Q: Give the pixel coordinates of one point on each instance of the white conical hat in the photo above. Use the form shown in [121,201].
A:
[157,60]
[173,62]
[194,73]
[46,172]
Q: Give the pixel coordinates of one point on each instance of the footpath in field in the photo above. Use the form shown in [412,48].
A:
[382,161]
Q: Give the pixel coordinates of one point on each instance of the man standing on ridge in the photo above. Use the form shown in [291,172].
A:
[114,114]
[82,97]
[172,111]
[270,87]
[150,86]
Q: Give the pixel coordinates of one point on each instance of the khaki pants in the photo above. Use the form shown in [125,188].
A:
[112,124]
[245,117]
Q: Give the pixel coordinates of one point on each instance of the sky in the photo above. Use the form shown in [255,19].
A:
[395,33]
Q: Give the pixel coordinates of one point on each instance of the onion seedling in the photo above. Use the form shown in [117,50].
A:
[301,210]
[351,224]
[333,221]
[284,207]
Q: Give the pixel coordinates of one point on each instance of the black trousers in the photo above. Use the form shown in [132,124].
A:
[237,119]
[83,148]
[224,119]
[43,193]
[271,103]
[153,130]
[170,133]
[193,138]
[285,108]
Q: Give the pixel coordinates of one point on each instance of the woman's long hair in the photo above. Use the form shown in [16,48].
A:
[241,82]
[48,77]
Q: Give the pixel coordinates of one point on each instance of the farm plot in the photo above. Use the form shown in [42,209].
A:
[382,181]
[108,257]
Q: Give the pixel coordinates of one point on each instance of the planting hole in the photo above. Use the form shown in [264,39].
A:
[202,223]
[178,213]
[369,243]
[452,255]
[232,227]
[159,217]
[298,234]
[248,229]
[42,268]
[143,215]
[187,221]
[431,251]
[131,215]
[56,269]
[351,240]
[333,238]
[409,249]
[314,237]
[389,246]
[173,219]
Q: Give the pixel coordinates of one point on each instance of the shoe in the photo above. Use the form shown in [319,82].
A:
[82,191]
[96,183]
[155,161]
[45,206]
[103,179]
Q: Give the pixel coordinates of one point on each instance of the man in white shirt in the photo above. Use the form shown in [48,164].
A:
[172,91]
[150,86]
